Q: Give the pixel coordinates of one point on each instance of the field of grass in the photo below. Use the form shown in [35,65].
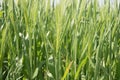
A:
[73,40]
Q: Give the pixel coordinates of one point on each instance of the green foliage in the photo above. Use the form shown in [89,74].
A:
[71,40]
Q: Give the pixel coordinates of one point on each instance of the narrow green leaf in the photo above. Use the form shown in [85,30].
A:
[35,73]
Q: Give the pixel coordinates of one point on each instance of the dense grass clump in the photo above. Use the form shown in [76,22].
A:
[71,40]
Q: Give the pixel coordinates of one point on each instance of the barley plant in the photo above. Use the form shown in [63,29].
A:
[68,40]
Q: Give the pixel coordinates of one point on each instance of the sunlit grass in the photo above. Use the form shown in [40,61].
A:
[73,40]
